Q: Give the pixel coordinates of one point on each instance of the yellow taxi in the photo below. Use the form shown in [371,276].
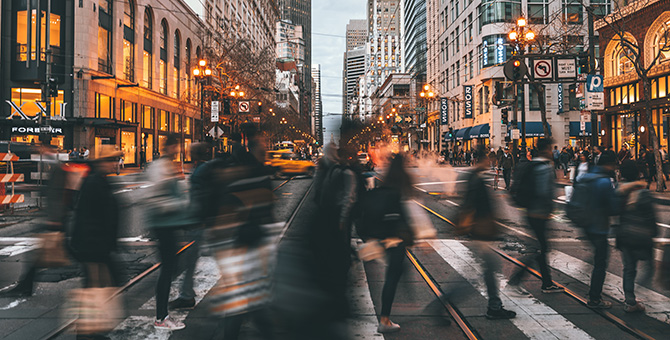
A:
[288,163]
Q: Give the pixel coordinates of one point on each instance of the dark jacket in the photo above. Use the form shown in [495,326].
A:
[96,222]
[542,204]
[606,202]
[507,161]
[637,225]
[479,203]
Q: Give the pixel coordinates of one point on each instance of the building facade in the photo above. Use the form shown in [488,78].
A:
[354,68]
[290,42]
[385,44]
[245,19]
[127,84]
[317,115]
[467,47]
[624,121]
[299,12]
[357,33]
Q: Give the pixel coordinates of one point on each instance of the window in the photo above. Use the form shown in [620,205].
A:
[661,40]
[538,11]
[147,56]
[103,106]
[162,81]
[176,65]
[187,125]
[622,61]
[176,123]
[147,117]
[492,11]
[601,8]
[129,40]
[572,13]
[23,48]
[534,98]
[163,120]
[458,45]
[128,113]
[105,36]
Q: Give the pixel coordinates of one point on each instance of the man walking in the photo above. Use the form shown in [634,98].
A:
[538,213]
[507,163]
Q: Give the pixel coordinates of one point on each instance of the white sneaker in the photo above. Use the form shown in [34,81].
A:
[169,323]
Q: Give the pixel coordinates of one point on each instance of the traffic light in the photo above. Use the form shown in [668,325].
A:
[450,134]
[498,95]
[504,116]
[516,70]
[584,63]
[226,106]
[260,107]
[53,87]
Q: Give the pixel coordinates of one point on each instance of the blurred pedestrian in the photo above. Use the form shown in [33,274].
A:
[624,154]
[507,164]
[477,217]
[555,156]
[597,151]
[201,209]
[167,214]
[603,203]
[397,185]
[86,153]
[582,168]
[635,233]
[74,154]
[565,161]
[538,214]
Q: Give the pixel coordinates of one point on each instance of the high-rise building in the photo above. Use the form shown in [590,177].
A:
[290,42]
[254,20]
[317,115]
[354,68]
[414,38]
[385,40]
[299,12]
[357,33]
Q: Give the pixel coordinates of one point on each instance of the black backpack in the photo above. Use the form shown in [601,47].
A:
[580,207]
[331,189]
[523,184]
[380,213]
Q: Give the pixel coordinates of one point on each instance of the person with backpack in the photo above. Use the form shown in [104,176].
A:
[477,217]
[507,164]
[565,161]
[636,230]
[537,185]
[593,202]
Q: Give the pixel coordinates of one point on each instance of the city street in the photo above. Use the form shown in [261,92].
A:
[449,262]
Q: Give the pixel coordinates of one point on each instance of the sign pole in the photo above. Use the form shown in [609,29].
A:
[592,70]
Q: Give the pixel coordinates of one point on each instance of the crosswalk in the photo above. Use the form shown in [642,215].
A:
[535,319]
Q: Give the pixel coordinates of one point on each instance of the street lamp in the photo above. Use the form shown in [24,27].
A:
[201,73]
[520,38]
[427,95]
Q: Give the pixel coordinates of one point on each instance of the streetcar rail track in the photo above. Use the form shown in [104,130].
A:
[69,323]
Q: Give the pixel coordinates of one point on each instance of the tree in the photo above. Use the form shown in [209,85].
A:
[618,23]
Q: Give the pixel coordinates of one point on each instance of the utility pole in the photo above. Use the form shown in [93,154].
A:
[592,70]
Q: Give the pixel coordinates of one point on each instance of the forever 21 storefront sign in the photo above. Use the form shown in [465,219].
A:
[16,110]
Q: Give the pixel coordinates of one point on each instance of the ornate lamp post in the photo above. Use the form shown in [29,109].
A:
[520,38]
[202,73]
[427,95]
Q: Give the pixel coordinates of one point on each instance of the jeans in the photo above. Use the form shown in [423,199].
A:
[507,176]
[491,266]
[167,248]
[190,258]
[601,251]
[630,272]
[396,256]
[539,226]
[565,169]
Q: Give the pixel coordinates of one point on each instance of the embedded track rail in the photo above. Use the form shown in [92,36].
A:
[70,323]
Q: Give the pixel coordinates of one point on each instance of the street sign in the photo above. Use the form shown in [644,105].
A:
[542,69]
[216,132]
[594,83]
[244,107]
[515,134]
[444,111]
[256,119]
[467,94]
[595,95]
[216,105]
[566,68]
[582,126]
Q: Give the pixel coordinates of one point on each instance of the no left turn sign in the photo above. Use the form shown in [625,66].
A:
[542,69]
[244,107]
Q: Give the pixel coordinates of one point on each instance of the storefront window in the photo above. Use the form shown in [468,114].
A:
[162,82]
[163,120]
[176,123]
[147,117]
[147,55]
[26,99]
[161,142]
[149,146]
[187,125]
[128,146]
[128,111]
[623,61]
[103,106]
[187,150]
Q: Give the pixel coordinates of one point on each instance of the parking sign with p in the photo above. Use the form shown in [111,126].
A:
[594,83]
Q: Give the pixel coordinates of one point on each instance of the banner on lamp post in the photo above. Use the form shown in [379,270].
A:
[444,111]
[467,94]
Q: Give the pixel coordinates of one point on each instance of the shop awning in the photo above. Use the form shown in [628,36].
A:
[463,134]
[534,129]
[576,131]
[480,131]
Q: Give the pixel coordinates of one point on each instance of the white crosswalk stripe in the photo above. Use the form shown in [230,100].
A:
[535,319]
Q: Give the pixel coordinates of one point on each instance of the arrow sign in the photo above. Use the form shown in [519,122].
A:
[542,69]
[244,107]
[216,132]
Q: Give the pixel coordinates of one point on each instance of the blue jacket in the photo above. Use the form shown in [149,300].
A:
[606,202]
[542,204]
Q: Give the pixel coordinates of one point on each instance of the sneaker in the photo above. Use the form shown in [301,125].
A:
[181,303]
[495,314]
[393,327]
[637,307]
[552,289]
[599,304]
[169,324]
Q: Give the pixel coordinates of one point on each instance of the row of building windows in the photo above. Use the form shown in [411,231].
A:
[128,112]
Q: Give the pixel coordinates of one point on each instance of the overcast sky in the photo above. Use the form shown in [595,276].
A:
[329,21]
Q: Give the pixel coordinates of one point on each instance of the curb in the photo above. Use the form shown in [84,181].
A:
[657,197]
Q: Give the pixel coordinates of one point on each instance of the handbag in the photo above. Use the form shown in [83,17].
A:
[97,309]
[419,221]
[53,253]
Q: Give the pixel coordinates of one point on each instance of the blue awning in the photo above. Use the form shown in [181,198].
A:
[480,131]
[534,129]
[576,131]
[463,134]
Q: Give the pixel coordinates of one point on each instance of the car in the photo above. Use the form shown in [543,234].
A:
[365,160]
[285,162]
